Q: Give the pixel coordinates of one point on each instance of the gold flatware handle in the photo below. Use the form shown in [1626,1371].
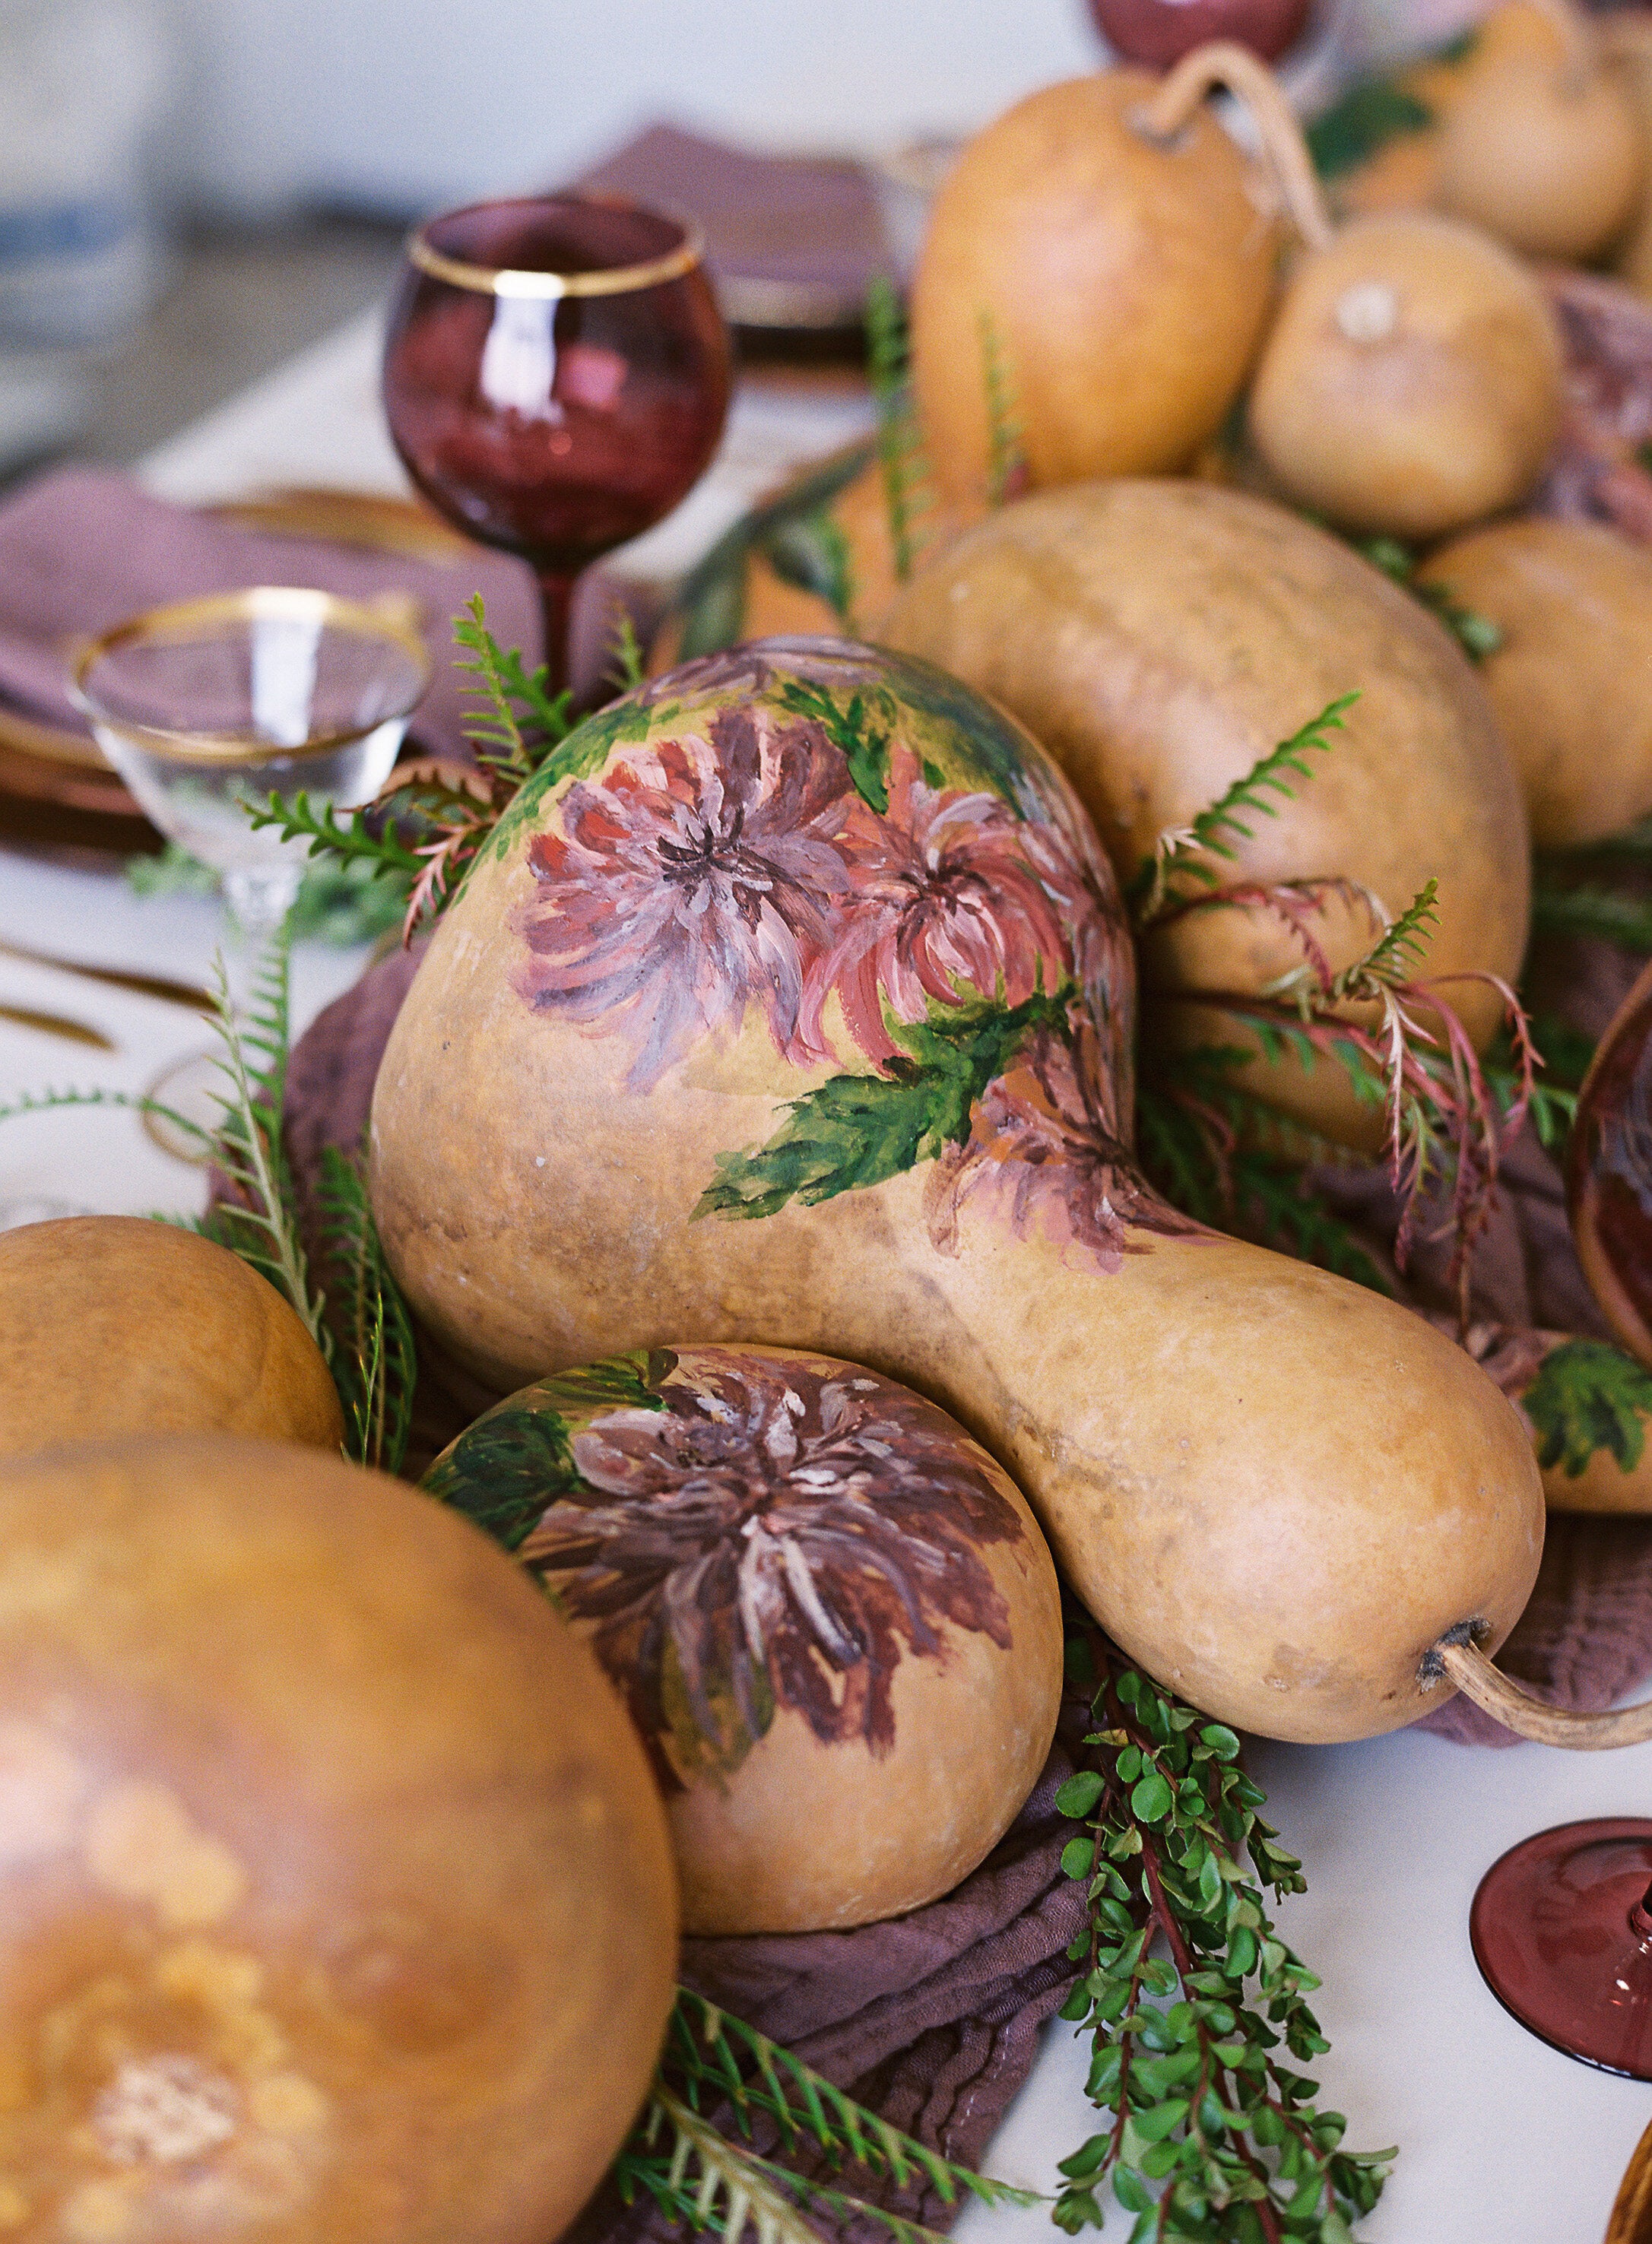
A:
[145,985]
[58,1024]
[1631,2222]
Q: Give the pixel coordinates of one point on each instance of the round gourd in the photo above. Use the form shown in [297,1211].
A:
[803,1015]
[116,1324]
[1572,681]
[1542,147]
[832,1616]
[1412,382]
[1159,638]
[1116,283]
[338,1906]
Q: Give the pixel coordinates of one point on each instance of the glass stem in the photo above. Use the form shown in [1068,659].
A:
[556,601]
[260,898]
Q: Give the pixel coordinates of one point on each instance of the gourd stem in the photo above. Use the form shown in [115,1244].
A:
[1505,1702]
[1224,63]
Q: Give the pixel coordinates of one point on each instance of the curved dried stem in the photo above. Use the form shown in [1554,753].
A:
[1506,1702]
[1221,63]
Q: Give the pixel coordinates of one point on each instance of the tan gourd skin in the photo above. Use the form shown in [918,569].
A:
[115,1324]
[1572,682]
[1158,639]
[319,1822]
[791,1831]
[1126,281]
[1275,1489]
[1412,382]
[1549,160]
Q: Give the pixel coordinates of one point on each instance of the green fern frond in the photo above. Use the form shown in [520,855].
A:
[262,1219]
[1397,952]
[717,2185]
[1005,463]
[377,1366]
[503,741]
[709,2048]
[900,450]
[299,820]
[1147,887]
[626,668]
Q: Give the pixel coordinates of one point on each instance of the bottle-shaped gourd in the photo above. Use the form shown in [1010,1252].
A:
[793,1002]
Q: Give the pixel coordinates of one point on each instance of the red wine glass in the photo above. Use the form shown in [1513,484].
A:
[1561,1930]
[556,378]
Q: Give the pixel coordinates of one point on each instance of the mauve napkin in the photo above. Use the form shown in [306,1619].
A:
[82,548]
[792,241]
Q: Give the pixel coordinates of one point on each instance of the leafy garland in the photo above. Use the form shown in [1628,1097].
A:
[1212,2138]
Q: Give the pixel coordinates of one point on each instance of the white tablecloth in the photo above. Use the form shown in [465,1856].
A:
[1503,2140]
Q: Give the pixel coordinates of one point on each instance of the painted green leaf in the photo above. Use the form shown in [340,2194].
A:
[517,1458]
[1588,1396]
[505,1469]
[857,1130]
[585,750]
[851,727]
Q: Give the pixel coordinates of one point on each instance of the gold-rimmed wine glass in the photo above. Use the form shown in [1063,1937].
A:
[208,707]
[556,378]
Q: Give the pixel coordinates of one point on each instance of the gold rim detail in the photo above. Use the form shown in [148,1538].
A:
[551,287]
[184,619]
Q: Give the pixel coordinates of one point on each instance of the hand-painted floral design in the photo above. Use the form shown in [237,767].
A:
[693,880]
[1044,1147]
[775,1532]
[955,897]
[793,849]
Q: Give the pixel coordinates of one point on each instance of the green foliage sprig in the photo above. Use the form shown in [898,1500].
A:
[1154,888]
[900,450]
[355,1314]
[1406,1048]
[1006,468]
[1190,2000]
[516,725]
[718,2074]
[1475,633]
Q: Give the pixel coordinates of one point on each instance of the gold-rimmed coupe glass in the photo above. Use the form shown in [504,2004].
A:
[556,378]
[209,707]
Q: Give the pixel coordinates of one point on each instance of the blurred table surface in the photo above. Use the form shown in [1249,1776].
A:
[1503,2140]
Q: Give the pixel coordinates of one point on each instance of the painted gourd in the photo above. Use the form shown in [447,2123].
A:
[833,1619]
[338,1902]
[794,1004]
[116,1324]
[1159,638]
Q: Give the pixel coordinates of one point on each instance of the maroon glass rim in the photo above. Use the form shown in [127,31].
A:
[524,281]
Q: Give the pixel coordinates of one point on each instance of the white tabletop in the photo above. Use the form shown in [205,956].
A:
[1503,2140]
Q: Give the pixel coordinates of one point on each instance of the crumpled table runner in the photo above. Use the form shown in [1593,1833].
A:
[83,548]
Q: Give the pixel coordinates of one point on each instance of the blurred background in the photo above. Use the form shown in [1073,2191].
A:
[192,190]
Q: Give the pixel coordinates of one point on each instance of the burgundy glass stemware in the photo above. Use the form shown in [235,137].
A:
[556,378]
[1562,1933]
